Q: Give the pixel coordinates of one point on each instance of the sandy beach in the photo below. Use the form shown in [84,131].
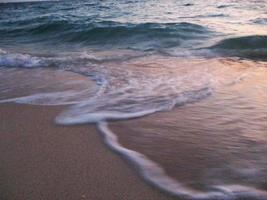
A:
[42,160]
[133,100]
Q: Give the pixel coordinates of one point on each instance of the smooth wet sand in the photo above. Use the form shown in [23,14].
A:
[44,161]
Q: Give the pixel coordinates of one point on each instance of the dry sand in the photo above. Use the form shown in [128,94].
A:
[44,161]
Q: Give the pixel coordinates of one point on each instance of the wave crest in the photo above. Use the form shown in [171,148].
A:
[105,33]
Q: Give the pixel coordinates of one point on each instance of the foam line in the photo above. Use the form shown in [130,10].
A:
[44,99]
[156,176]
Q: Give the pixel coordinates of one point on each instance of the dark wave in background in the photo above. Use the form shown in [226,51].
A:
[57,23]
[107,33]
[51,30]
[251,47]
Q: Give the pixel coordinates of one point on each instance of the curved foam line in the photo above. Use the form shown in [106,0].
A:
[95,117]
[35,98]
[155,175]
[101,116]
[149,170]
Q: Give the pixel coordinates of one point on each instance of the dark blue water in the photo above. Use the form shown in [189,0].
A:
[117,60]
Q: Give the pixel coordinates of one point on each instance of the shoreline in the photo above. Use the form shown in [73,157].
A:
[42,160]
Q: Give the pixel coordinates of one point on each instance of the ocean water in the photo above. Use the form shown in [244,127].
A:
[177,87]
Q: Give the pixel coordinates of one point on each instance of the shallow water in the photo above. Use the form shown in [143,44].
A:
[199,66]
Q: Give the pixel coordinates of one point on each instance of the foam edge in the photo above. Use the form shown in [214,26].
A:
[152,173]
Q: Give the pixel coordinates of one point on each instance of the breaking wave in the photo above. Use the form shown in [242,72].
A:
[143,36]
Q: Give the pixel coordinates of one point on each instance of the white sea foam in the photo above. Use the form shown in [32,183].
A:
[19,60]
[126,93]
[155,175]
[2,51]
[52,98]
[87,112]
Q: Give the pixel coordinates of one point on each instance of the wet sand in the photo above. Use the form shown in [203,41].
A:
[42,160]
[206,143]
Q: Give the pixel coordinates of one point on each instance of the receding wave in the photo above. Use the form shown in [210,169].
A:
[154,174]
[125,93]
[250,47]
